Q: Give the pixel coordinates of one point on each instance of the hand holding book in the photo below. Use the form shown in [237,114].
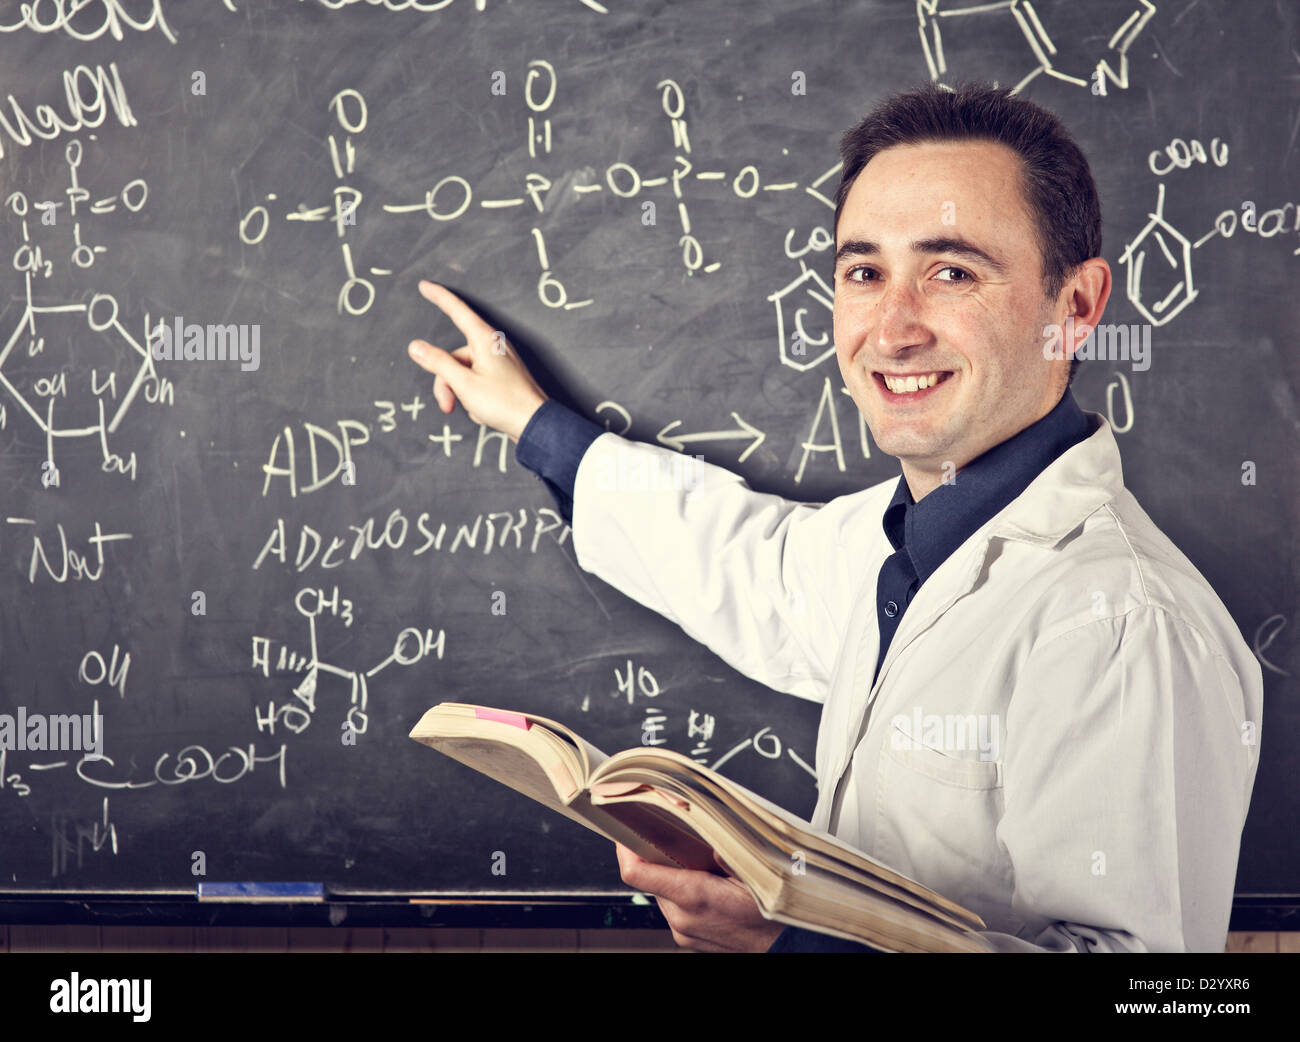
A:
[706,912]
[675,813]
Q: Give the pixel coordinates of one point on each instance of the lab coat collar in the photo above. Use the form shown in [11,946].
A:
[1074,486]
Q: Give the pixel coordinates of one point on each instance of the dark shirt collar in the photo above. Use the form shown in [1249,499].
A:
[932,529]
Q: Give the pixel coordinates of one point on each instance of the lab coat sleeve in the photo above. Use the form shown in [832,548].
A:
[745,573]
[1127,779]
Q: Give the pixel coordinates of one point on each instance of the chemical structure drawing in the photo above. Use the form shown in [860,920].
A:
[452,196]
[31,257]
[1161,289]
[797,347]
[1172,281]
[56,351]
[411,646]
[957,34]
[358,292]
[113,350]
[797,344]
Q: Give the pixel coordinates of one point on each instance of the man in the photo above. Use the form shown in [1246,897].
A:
[1032,701]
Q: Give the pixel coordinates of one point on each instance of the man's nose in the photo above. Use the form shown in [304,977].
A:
[899,317]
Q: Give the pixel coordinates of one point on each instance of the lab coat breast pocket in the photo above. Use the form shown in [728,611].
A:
[936,820]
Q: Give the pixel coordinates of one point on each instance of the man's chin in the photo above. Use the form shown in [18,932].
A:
[908,446]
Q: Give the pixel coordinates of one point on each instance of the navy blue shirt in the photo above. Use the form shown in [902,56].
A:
[923,534]
[552,445]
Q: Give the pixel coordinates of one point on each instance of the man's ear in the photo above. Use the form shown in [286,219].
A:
[1085,295]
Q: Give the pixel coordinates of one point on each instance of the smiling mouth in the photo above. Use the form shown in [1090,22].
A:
[901,386]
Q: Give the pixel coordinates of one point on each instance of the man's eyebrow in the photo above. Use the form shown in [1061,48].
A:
[942,244]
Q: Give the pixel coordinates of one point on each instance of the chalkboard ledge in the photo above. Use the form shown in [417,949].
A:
[474,911]
[1253,913]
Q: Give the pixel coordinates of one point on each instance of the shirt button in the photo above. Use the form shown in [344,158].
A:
[891,608]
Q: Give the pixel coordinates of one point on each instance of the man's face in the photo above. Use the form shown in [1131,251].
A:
[914,296]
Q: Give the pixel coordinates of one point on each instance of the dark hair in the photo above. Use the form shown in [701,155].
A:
[1058,185]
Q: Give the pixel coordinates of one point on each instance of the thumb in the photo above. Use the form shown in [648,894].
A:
[449,371]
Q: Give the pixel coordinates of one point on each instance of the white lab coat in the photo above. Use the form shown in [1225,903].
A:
[1105,815]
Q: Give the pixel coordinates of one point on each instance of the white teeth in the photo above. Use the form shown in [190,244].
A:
[906,385]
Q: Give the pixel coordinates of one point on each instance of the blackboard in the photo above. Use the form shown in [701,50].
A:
[241,564]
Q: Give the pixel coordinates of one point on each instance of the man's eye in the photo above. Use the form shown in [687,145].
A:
[860,274]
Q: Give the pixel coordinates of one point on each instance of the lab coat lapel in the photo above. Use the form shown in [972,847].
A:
[1070,488]
[953,579]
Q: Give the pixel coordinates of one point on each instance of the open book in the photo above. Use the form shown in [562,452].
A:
[673,811]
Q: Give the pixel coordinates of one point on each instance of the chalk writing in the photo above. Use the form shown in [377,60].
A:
[88,95]
[943,23]
[410,647]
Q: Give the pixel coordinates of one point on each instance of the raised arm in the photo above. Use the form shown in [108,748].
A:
[752,576]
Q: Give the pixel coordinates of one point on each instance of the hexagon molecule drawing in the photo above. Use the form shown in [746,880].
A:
[797,346]
[1172,279]
[95,328]
[72,366]
[1010,41]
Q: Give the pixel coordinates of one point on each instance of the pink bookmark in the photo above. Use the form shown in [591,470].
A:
[503,717]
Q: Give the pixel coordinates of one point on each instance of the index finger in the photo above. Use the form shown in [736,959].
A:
[674,884]
[626,857]
[630,861]
[467,320]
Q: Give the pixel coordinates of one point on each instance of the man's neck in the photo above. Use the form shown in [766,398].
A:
[920,483]
[924,479]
